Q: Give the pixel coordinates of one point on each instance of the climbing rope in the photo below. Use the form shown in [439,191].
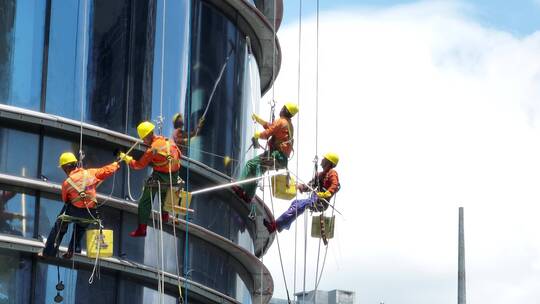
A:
[83,85]
[279,247]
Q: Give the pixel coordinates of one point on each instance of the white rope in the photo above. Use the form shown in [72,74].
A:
[174,231]
[83,80]
[277,239]
[156,235]
[91,279]
[129,187]
[317,136]
[162,294]
[160,119]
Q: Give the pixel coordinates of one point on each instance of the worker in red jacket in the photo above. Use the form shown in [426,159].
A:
[164,157]
[326,184]
[79,196]
[280,135]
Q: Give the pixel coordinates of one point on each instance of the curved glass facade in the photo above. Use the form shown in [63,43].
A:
[113,64]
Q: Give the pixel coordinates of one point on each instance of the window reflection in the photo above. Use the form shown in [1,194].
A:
[117,66]
[64,73]
[17,210]
[15,272]
[18,152]
[21,52]
[224,133]
[175,60]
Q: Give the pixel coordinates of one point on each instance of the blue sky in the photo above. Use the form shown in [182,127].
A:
[520,17]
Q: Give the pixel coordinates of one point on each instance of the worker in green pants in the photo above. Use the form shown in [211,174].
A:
[164,158]
[280,144]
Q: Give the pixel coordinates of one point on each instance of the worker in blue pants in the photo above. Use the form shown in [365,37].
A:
[326,184]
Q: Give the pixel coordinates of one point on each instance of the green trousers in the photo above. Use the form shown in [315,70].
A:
[258,165]
[150,190]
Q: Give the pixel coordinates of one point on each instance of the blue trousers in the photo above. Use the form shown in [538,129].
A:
[60,228]
[297,207]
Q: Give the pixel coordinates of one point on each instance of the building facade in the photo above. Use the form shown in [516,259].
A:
[335,296]
[88,71]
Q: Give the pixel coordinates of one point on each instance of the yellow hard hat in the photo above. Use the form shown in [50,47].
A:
[66,158]
[292,108]
[332,157]
[175,117]
[145,128]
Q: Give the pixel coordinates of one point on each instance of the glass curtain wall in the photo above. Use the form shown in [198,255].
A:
[21,52]
[217,46]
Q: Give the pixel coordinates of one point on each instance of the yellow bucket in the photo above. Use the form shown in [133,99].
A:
[99,242]
[328,226]
[173,197]
[284,187]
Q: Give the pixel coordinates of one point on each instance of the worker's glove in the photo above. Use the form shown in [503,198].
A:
[201,123]
[325,194]
[257,135]
[258,119]
[123,156]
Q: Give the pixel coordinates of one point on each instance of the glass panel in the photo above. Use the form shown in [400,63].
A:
[217,44]
[214,212]
[21,52]
[107,63]
[18,152]
[141,60]
[132,292]
[77,290]
[117,64]
[210,266]
[145,250]
[65,58]
[17,210]
[15,272]
[175,61]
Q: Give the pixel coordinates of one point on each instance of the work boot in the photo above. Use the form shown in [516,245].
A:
[140,231]
[241,194]
[164,216]
[270,226]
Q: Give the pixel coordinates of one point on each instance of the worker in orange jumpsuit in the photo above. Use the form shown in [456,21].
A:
[280,144]
[164,157]
[326,185]
[180,137]
[79,196]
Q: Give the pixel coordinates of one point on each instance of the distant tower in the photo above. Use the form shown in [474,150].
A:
[461,261]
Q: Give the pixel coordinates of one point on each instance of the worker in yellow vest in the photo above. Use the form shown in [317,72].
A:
[79,196]
[164,157]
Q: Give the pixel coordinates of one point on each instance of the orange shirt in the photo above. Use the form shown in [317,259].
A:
[329,181]
[90,181]
[281,132]
[156,156]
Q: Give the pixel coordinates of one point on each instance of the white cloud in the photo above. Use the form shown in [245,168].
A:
[429,111]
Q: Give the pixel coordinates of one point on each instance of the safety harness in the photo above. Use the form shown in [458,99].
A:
[81,189]
[165,152]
